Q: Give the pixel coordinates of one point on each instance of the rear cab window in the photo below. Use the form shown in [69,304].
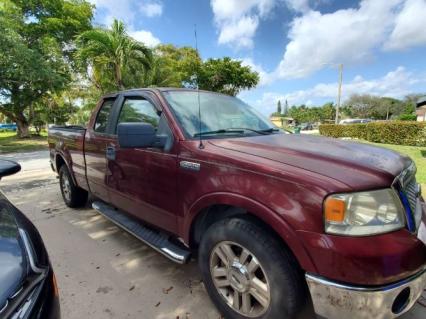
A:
[102,118]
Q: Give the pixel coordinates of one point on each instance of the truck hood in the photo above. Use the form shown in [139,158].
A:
[358,165]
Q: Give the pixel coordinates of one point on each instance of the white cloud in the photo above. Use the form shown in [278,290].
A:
[127,10]
[111,9]
[265,78]
[410,26]
[239,32]
[146,37]
[396,83]
[238,20]
[152,8]
[349,35]
[344,36]
[298,5]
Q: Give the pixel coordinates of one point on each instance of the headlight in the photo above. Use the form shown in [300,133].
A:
[364,213]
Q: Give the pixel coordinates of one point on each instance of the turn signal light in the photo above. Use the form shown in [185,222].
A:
[334,210]
[55,286]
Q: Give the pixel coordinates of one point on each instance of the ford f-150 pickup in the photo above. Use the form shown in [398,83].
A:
[277,221]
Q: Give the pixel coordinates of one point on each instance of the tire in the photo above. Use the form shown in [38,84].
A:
[277,274]
[72,195]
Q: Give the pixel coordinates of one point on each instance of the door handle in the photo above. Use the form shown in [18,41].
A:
[110,152]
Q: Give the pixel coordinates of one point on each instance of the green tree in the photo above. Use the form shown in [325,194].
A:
[304,114]
[178,64]
[36,42]
[279,109]
[226,76]
[364,105]
[410,103]
[160,74]
[285,111]
[384,108]
[117,60]
[328,112]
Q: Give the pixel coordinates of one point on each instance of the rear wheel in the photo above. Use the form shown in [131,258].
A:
[72,195]
[248,274]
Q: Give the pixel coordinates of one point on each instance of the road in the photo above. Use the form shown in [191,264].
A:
[102,271]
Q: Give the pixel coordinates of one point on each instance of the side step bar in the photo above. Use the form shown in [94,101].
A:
[157,240]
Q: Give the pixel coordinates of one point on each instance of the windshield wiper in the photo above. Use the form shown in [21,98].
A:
[221,131]
[238,130]
[264,131]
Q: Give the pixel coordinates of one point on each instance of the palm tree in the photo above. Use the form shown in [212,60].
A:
[161,74]
[111,53]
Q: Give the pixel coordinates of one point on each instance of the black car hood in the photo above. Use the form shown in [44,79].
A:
[13,260]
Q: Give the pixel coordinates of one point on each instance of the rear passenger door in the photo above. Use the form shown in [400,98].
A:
[97,141]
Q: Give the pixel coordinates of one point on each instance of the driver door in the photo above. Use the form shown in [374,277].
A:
[142,181]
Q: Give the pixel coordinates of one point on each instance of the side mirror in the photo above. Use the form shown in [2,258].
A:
[136,135]
[8,168]
[139,135]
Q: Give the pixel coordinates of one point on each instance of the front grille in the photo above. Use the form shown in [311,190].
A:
[409,192]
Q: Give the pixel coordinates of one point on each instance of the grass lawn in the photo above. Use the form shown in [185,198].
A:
[418,155]
[10,143]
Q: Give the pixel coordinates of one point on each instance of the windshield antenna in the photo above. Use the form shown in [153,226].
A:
[201,145]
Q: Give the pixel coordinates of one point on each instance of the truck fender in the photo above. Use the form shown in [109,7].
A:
[269,217]
[66,162]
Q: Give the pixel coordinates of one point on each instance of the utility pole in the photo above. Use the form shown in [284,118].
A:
[339,92]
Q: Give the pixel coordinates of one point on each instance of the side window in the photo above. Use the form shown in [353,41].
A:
[101,122]
[138,110]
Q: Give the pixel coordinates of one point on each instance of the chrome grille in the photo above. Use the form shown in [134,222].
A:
[408,185]
[411,190]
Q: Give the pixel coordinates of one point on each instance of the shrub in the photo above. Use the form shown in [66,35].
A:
[407,117]
[395,132]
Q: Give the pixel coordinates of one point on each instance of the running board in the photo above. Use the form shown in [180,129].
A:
[157,240]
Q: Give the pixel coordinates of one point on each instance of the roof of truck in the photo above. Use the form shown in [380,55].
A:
[153,89]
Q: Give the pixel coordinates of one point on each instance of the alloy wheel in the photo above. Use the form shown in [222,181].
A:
[240,279]
[66,187]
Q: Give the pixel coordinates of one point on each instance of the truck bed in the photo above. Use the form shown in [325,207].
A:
[68,141]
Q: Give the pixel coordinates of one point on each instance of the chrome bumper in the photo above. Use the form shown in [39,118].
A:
[336,301]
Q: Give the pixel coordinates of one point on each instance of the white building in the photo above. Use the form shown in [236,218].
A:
[421,110]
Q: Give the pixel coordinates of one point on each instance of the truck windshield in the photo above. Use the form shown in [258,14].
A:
[220,115]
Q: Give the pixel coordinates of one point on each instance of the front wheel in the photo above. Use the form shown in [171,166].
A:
[72,195]
[248,274]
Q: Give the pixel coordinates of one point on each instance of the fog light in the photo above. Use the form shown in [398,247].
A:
[401,301]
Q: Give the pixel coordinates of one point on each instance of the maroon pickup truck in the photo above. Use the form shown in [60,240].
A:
[277,221]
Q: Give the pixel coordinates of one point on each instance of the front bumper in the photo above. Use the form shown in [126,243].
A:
[336,301]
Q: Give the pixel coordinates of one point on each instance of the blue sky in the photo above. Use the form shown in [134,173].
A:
[295,45]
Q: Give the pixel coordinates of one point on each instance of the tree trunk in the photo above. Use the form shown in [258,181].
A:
[118,77]
[21,122]
[23,126]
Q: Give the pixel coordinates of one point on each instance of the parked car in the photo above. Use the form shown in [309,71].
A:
[272,217]
[8,127]
[355,121]
[306,126]
[27,283]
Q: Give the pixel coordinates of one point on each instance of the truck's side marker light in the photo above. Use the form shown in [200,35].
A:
[334,210]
